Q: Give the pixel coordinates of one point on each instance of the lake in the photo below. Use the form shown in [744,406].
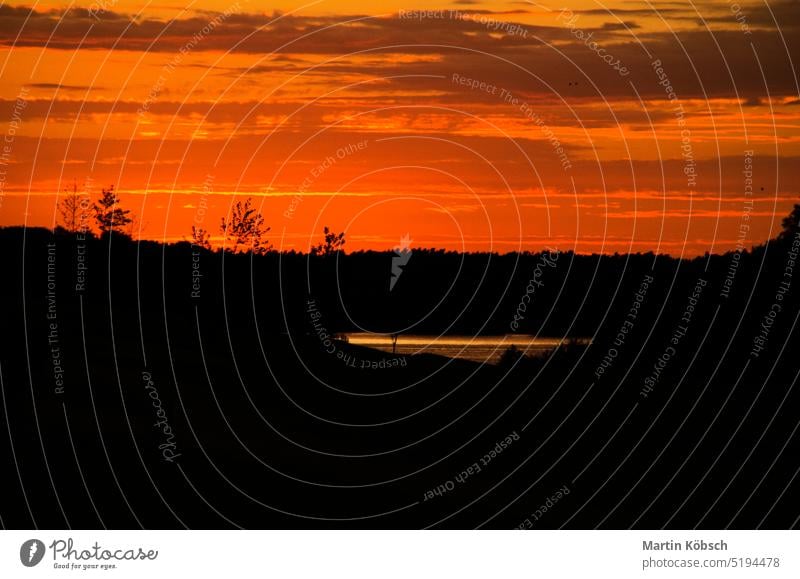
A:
[487,349]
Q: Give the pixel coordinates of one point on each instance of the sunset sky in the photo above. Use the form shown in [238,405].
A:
[619,126]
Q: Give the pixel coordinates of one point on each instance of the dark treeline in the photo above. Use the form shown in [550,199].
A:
[683,404]
[438,292]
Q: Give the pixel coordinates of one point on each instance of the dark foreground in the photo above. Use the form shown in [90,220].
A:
[161,387]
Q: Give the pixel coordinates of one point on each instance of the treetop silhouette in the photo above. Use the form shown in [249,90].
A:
[108,215]
[245,229]
[333,243]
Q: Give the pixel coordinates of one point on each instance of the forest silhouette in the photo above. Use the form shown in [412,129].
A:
[235,341]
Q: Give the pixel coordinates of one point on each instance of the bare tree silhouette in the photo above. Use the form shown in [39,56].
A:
[74,209]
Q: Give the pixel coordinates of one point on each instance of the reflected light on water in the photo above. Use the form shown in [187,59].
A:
[475,348]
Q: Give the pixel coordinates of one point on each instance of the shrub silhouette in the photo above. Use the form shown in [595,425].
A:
[201,238]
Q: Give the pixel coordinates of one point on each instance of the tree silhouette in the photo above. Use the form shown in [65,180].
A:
[333,242]
[245,229]
[201,238]
[74,210]
[790,224]
[108,214]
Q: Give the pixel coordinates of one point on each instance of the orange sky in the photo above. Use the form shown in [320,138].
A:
[377,124]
